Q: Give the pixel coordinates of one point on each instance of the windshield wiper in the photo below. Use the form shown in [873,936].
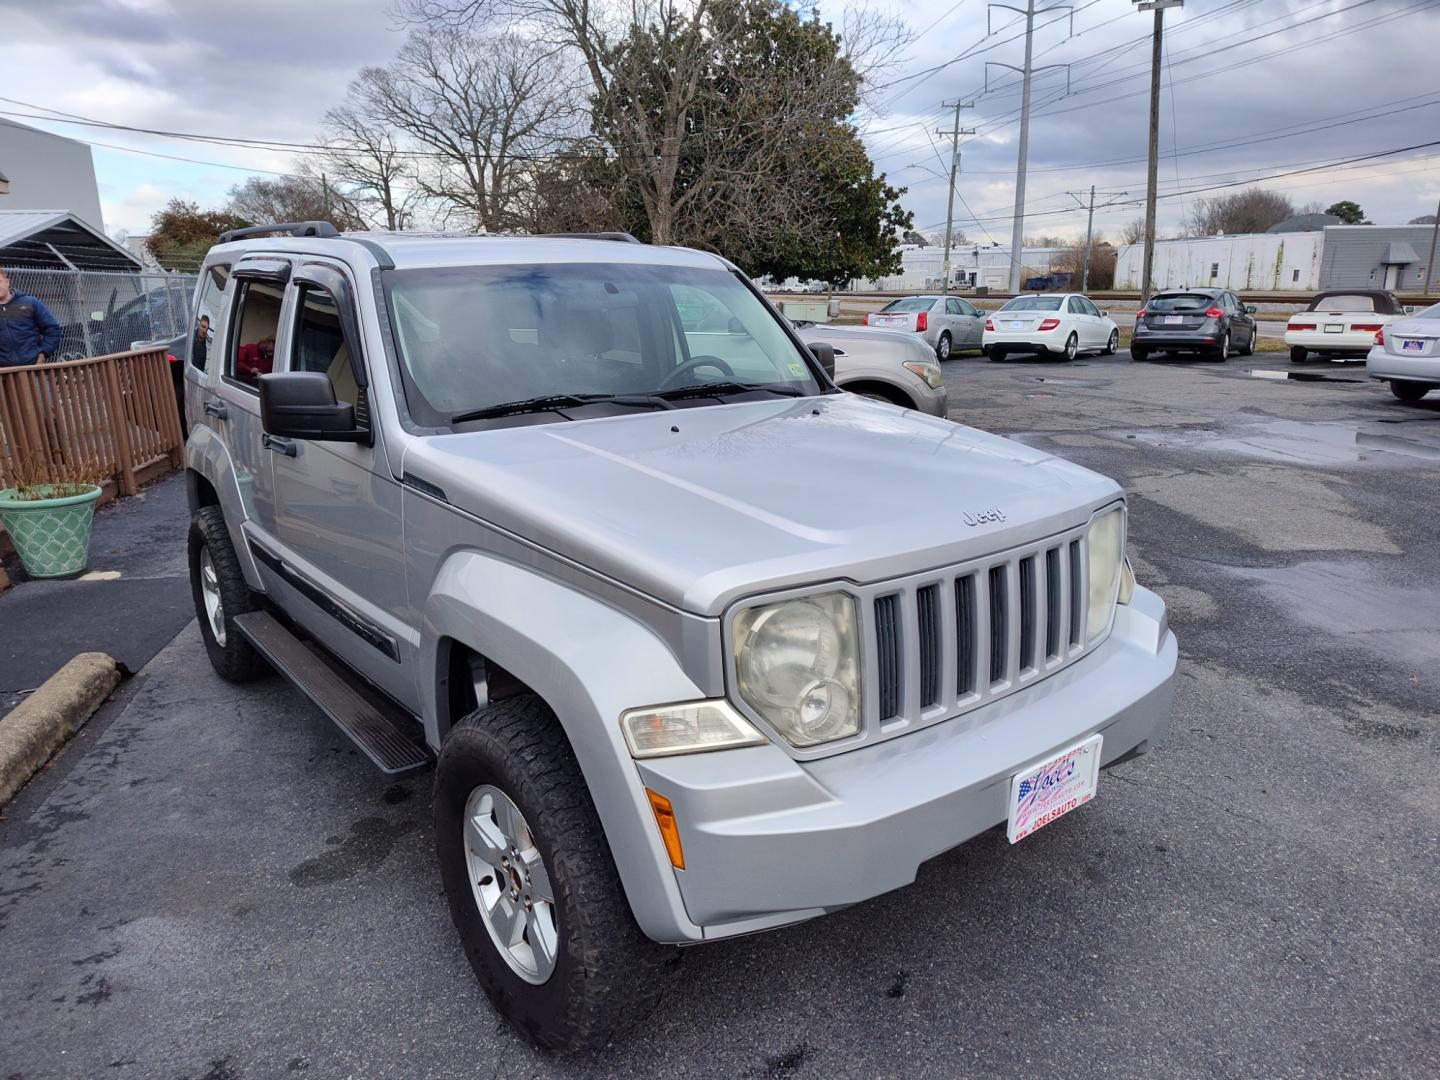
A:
[715,389]
[547,402]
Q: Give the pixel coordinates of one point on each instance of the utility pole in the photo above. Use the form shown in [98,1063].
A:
[1431,277]
[955,132]
[1090,226]
[1151,178]
[1017,235]
[325,193]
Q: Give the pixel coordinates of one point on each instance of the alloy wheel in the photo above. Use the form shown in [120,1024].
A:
[210,593]
[511,884]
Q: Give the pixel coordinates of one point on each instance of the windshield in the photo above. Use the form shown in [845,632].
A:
[910,303]
[1180,302]
[476,338]
[1033,303]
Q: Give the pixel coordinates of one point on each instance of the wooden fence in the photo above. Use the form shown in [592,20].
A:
[106,417]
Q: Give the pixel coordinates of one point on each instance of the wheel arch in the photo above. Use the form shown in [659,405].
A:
[210,481]
[588,662]
[889,391]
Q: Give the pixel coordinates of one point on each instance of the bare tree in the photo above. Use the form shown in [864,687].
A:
[1133,232]
[1250,211]
[477,111]
[364,158]
[293,198]
[1423,219]
[687,160]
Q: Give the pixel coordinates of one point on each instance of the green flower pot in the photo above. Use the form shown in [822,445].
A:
[52,535]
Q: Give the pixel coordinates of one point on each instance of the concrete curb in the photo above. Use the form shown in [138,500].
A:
[40,724]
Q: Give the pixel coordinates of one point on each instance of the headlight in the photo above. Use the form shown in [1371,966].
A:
[797,664]
[929,372]
[1106,544]
[686,729]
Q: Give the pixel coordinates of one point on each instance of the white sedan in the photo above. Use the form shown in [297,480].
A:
[1058,324]
[1341,323]
[1406,354]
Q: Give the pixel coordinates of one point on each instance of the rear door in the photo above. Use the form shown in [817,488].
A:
[972,324]
[338,556]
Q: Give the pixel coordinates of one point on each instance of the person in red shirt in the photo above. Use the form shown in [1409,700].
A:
[255,359]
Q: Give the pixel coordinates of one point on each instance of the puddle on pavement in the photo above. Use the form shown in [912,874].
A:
[1304,442]
[1348,599]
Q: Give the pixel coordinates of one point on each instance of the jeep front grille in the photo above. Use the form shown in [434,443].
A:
[944,643]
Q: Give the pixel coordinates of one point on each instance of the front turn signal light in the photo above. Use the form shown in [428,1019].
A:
[669,829]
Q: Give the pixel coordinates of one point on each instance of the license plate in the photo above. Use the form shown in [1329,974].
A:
[1050,790]
[1334,328]
[1411,345]
[1174,320]
[1015,326]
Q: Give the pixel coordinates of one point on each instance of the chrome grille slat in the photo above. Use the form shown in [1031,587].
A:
[947,642]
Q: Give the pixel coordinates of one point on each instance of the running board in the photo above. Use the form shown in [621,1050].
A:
[385,733]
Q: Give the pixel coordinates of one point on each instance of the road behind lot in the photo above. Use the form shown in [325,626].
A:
[213,884]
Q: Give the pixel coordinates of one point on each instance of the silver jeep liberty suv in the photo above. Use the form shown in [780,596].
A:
[698,645]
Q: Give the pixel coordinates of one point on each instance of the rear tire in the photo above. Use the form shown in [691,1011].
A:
[995,353]
[1113,345]
[1297,354]
[1409,391]
[1139,355]
[605,975]
[942,347]
[1072,347]
[215,574]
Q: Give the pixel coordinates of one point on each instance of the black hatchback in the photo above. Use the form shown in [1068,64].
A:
[1211,322]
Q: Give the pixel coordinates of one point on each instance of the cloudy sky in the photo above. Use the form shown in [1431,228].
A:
[1252,89]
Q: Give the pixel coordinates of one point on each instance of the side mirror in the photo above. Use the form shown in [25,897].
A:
[1250,309]
[302,405]
[1104,314]
[825,354]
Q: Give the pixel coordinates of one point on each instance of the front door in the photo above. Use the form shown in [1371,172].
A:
[337,508]
[1392,277]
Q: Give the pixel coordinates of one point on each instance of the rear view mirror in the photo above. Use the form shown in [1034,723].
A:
[302,405]
[825,354]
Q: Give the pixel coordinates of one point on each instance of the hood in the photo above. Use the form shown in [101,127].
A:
[750,497]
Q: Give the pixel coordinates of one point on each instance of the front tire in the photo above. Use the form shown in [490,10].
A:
[942,347]
[526,866]
[1297,354]
[220,593]
[1409,391]
[1113,345]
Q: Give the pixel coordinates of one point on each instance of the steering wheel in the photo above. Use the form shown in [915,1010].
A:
[693,363]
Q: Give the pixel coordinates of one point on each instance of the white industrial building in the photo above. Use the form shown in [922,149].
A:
[1266,262]
[44,171]
[971,266]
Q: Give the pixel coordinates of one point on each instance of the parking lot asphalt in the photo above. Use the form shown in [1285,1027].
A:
[212,883]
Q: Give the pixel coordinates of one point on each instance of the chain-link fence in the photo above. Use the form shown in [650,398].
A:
[102,313]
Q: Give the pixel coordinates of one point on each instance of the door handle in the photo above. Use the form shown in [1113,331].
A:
[217,409]
[278,444]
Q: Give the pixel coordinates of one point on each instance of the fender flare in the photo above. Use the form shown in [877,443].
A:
[589,662]
[206,455]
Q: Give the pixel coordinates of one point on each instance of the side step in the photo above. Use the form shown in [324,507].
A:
[388,736]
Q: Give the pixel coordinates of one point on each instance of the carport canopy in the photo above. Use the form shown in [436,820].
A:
[58,240]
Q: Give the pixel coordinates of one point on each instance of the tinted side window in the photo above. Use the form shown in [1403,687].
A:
[1076,307]
[952,307]
[320,343]
[207,312]
[257,318]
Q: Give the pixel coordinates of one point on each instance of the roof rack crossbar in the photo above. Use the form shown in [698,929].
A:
[321,229]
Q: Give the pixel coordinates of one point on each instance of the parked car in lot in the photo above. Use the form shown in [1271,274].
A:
[1211,322]
[1406,354]
[884,365]
[1057,324]
[946,323]
[698,644]
[1341,323]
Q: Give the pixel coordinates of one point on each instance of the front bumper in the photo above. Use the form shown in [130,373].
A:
[932,402]
[1381,363]
[769,840]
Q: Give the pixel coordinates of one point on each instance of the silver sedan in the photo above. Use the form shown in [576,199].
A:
[887,365]
[945,323]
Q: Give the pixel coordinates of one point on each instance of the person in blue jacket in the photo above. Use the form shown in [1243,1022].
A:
[29,334]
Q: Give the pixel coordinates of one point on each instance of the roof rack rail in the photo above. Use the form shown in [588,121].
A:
[618,237]
[322,229]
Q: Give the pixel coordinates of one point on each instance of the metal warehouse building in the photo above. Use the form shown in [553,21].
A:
[1398,257]
[1249,261]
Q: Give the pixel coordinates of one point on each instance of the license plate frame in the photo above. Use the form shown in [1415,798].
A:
[1050,789]
[1174,320]
[1334,328]
[1014,326]
[1412,345]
